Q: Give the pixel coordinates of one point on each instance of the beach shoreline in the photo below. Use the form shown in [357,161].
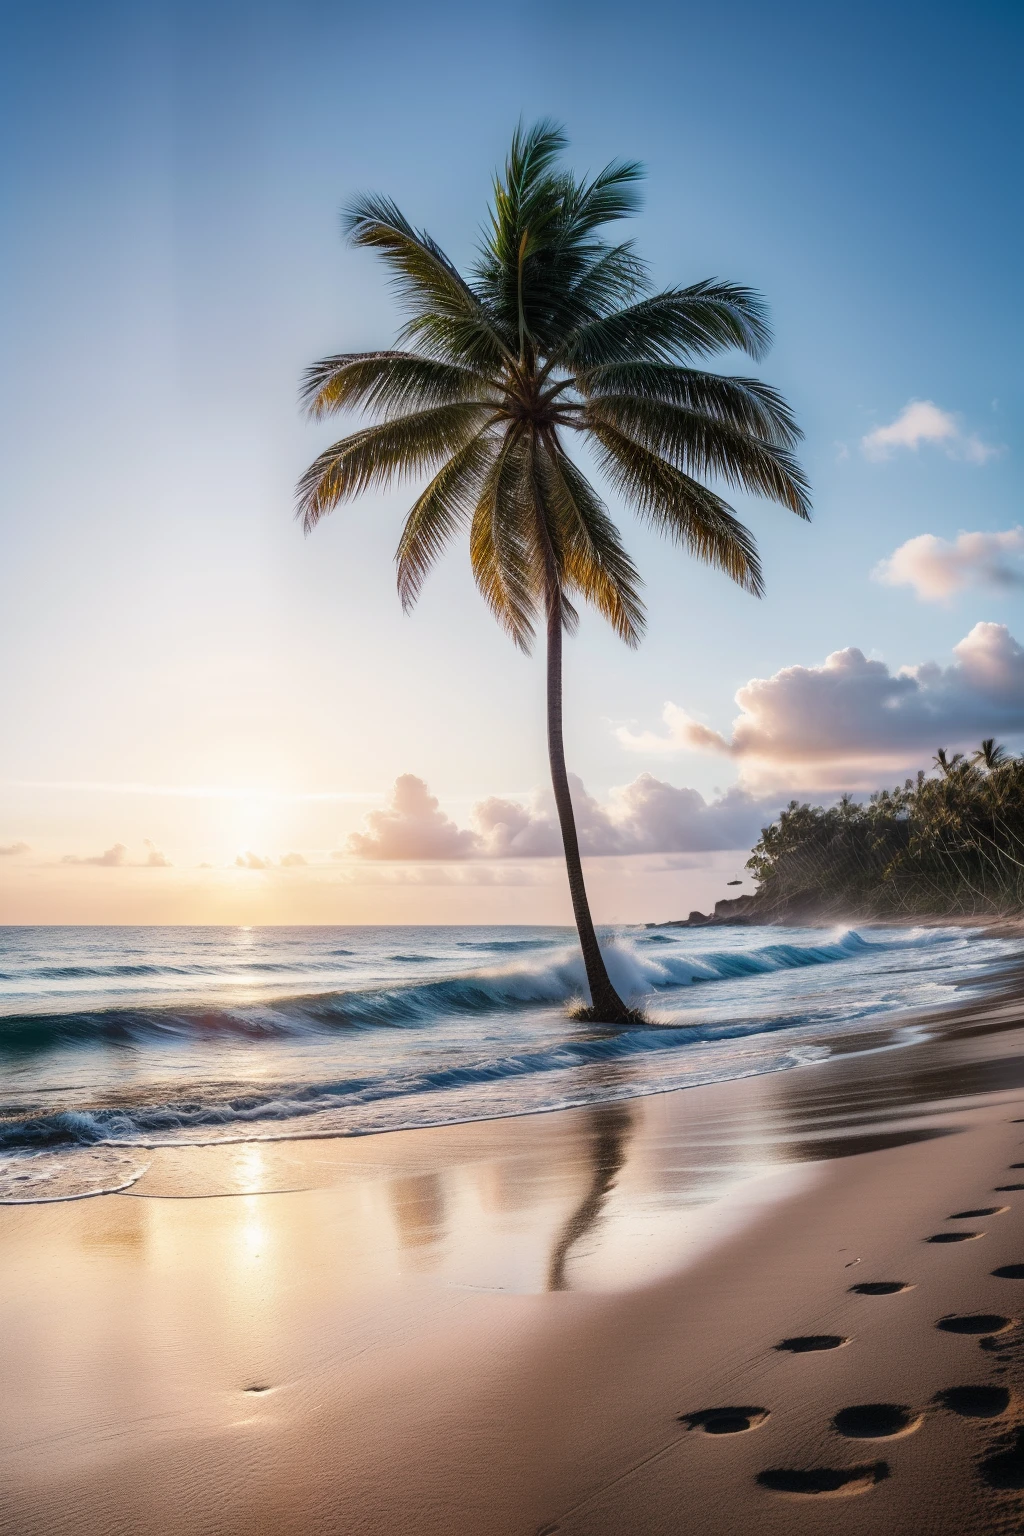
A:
[496,1326]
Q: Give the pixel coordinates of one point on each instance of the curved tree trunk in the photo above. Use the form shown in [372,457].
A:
[607,1006]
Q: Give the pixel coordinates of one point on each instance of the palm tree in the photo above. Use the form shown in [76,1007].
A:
[991,754]
[948,765]
[555,332]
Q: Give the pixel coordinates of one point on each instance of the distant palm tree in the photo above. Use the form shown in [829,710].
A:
[948,765]
[991,754]
[555,331]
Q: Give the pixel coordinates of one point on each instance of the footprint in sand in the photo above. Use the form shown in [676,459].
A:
[881,1288]
[819,1482]
[984,1210]
[876,1421]
[724,1421]
[974,1322]
[953,1237]
[808,1343]
[1009,1272]
[1006,1468]
[975,1402]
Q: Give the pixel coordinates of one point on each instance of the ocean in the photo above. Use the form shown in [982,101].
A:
[114,1041]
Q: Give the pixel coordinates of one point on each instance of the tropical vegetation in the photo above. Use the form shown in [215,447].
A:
[556,334]
[948,845]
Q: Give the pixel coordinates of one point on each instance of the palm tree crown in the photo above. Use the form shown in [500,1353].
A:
[555,335]
[991,754]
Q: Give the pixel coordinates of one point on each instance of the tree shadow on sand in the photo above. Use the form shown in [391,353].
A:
[610,1126]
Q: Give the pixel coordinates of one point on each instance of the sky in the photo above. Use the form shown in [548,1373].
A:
[206,717]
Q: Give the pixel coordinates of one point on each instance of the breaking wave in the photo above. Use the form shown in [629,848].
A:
[404,1029]
[194,1118]
[550,979]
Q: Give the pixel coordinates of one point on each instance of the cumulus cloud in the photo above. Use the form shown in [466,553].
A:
[10,850]
[647,816]
[249,860]
[852,720]
[117,858]
[922,421]
[113,858]
[682,734]
[411,827]
[938,568]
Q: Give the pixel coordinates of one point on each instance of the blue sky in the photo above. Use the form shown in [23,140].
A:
[172,178]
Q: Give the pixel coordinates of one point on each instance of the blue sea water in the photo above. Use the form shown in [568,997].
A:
[117,1040]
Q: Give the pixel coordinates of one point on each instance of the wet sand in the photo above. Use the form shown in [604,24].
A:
[647,1316]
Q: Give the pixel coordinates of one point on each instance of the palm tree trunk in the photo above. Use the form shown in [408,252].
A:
[607,1006]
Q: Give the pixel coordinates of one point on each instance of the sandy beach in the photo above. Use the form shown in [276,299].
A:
[571,1322]
[512,771]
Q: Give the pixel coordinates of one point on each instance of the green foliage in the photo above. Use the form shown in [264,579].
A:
[555,333]
[946,846]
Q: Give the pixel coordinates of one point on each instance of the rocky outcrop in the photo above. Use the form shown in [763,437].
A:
[731,912]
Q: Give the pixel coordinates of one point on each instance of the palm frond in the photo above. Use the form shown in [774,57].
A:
[747,404]
[541,242]
[610,195]
[614,277]
[680,507]
[444,507]
[590,554]
[667,327]
[407,445]
[388,381]
[531,155]
[502,546]
[426,281]
[700,445]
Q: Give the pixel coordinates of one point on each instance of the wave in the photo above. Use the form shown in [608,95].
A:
[493,946]
[94,972]
[211,969]
[548,980]
[199,1120]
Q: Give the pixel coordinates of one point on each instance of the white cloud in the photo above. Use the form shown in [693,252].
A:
[937,568]
[249,860]
[683,734]
[851,721]
[411,827]
[647,816]
[113,858]
[117,858]
[10,850]
[922,421]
